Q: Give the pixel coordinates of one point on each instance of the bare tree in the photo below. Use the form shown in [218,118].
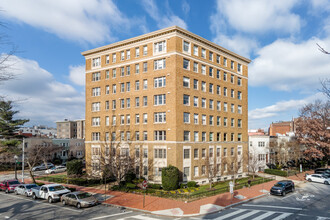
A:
[254,161]
[234,162]
[211,168]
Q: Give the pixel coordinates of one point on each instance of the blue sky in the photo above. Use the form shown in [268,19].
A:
[279,36]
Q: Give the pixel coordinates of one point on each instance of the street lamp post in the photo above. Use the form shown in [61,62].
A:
[15,157]
[23,160]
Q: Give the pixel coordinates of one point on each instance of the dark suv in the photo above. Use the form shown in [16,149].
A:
[282,187]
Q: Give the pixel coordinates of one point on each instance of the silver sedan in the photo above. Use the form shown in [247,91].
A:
[25,189]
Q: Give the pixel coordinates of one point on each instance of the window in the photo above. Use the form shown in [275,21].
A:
[114,73]
[218,136]
[137,85]
[225,152]
[203,53]
[186,46]
[186,99]
[145,118]
[195,153]
[239,109]
[159,64]
[107,120]
[218,106]
[96,106]
[137,137]
[128,54]
[211,56]
[203,153]
[232,77]
[239,81]
[211,152]
[96,62]
[195,171]
[160,153]
[122,71]
[137,52]
[122,87]
[232,108]
[160,99]
[137,68]
[225,61]
[114,119]
[95,136]
[145,67]
[218,121]
[160,47]
[96,91]
[225,76]
[107,59]
[261,144]
[225,106]
[145,50]
[232,93]
[232,122]
[128,86]
[232,64]
[96,121]
[203,136]
[239,123]
[186,64]
[195,101]
[186,153]
[195,84]
[186,117]
[145,170]
[113,136]
[186,82]
[218,90]
[128,103]
[107,105]
[203,70]
[128,70]
[195,67]
[186,135]
[107,90]
[218,74]
[203,119]
[186,171]
[122,119]
[203,169]
[96,76]
[145,100]
[113,104]
[196,119]
[232,137]
[211,120]
[211,136]
[160,117]
[137,118]
[225,121]
[195,136]
[122,55]
[203,86]
[159,82]
[211,104]
[122,136]
[225,91]
[145,137]
[114,58]
[160,135]
[239,137]
[211,88]
[239,95]
[137,101]
[107,74]
[145,84]
[218,58]
[128,119]
[195,50]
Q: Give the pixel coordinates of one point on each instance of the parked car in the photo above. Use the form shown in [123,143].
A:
[51,192]
[322,171]
[282,187]
[9,185]
[319,178]
[43,167]
[25,189]
[56,169]
[79,199]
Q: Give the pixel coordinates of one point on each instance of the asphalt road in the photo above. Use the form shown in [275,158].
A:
[307,203]
[19,207]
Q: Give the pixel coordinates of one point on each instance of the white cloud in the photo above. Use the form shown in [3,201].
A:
[77,20]
[163,19]
[285,65]
[77,74]
[185,7]
[39,96]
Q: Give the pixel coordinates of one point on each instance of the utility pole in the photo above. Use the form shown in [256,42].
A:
[23,160]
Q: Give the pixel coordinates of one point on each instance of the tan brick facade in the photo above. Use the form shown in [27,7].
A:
[174,73]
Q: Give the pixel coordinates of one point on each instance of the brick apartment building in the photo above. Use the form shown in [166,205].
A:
[282,128]
[71,129]
[174,98]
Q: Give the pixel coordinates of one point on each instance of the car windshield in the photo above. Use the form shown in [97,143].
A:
[56,188]
[31,186]
[83,195]
[279,184]
[13,182]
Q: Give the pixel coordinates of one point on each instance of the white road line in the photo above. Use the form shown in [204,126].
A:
[270,206]
[263,216]
[107,216]
[246,215]
[231,214]
[282,216]
[143,217]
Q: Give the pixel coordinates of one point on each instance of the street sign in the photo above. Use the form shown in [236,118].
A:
[144,184]
[231,187]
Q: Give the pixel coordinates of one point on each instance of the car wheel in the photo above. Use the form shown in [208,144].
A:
[326,183]
[52,172]
[309,180]
[34,196]
[50,200]
[283,193]
[26,194]
[63,202]
[7,191]
[78,205]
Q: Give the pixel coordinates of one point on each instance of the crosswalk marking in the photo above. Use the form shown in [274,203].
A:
[282,216]
[265,215]
[271,206]
[142,217]
[246,215]
[231,214]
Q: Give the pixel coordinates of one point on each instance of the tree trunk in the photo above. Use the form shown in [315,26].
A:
[30,172]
